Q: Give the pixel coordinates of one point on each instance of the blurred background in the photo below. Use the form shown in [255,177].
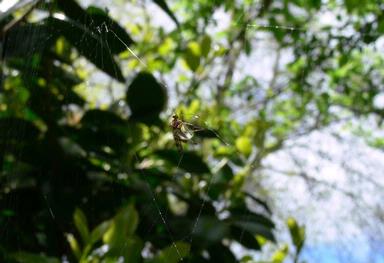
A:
[281,109]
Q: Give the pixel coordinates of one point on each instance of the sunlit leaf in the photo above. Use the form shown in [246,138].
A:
[280,255]
[192,55]
[297,233]
[81,224]
[122,226]
[74,245]
[244,145]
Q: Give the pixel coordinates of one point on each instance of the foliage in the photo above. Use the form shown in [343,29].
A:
[98,185]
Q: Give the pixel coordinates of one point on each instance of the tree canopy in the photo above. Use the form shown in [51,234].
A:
[90,170]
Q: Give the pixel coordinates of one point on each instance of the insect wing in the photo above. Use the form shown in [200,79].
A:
[193,127]
[178,142]
[203,131]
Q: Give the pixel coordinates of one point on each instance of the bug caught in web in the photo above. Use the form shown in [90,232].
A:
[183,132]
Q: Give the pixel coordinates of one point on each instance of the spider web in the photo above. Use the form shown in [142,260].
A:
[287,29]
[206,127]
[105,29]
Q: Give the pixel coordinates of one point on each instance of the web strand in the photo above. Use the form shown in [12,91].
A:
[211,180]
[285,28]
[153,196]
[130,50]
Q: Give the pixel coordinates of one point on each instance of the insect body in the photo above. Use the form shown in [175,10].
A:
[182,131]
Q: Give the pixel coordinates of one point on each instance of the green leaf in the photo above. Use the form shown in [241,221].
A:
[102,119]
[115,36]
[244,145]
[247,215]
[247,46]
[316,4]
[352,5]
[172,254]
[259,202]
[210,230]
[380,26]
[31,43]
[87,44]
[192,56]
[280,255]
[256,229]
[99,231]
[130,250]
[74,245]
[190,161]
[205,45]
[146,98]
[297,234]
[10,126]
[99,22]
[81,224]
[95,236]
[222,254]
[95,138]
[245,238]
[122,226]
[166,47]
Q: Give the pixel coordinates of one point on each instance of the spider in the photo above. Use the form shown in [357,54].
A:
[182,131]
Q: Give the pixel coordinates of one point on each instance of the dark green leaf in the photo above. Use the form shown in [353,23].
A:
[246,215]
[210,230]
[190,161]
[205,45]
[222,254]
[17,129]
[260,202]
[255,229]
[24,41]
[87,44]
[245,238]
[146,98]
[98,21]
[102,119]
